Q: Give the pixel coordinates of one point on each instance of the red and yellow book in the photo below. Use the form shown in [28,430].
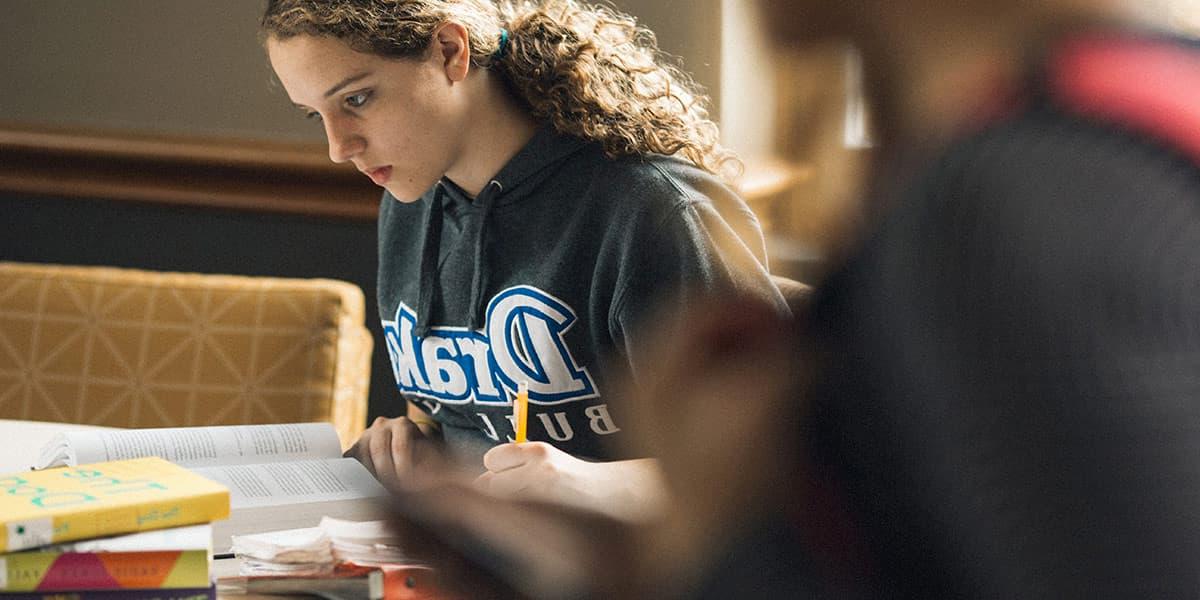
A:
[74,503]
[208,593]
[176,558]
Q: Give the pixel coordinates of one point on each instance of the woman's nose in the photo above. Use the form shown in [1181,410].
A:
[344,141]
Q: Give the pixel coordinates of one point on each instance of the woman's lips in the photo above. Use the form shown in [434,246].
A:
[381,175]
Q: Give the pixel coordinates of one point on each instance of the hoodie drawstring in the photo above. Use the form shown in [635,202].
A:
[485,201]
[430,249]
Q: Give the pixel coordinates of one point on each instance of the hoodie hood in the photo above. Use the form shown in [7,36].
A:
[531,165]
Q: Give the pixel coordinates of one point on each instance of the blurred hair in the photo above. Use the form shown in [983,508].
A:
[589,70]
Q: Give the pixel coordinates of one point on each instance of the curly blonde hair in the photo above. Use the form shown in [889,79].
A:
[590,70]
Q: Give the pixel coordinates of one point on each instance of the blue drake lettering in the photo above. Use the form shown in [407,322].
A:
[522,339]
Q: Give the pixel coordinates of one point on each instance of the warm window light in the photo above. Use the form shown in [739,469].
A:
[1185,15]
[1180,15]
[856,127]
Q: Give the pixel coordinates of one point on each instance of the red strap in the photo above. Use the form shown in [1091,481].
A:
[1150,86]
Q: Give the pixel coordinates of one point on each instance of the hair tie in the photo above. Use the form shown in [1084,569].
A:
[503,49]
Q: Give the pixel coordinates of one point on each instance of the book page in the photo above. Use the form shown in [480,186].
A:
[278,484]
[274,496]
[190,537]
[200,446]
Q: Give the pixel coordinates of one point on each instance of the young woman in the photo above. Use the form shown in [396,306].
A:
[548,180]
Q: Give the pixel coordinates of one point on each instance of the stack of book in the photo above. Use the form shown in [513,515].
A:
[123,529]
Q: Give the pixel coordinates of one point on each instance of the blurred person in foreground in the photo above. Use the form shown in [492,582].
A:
[1008,401]
[1010,356]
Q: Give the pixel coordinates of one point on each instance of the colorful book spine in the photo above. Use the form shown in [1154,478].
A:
[64,571]
[205,593]
[101,499]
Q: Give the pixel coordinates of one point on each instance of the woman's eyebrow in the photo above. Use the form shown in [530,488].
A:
[347,81]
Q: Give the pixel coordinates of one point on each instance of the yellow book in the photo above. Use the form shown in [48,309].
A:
[109,498]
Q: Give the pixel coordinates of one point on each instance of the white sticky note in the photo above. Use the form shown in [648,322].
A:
[30,534]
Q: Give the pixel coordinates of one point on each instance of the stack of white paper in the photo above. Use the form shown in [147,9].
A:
[314,550]
[367,543]
[288,552]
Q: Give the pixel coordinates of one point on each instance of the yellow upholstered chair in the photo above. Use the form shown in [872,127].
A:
[129,348]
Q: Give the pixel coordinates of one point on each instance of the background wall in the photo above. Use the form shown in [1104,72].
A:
[195,68]
[143,65]
[182,66]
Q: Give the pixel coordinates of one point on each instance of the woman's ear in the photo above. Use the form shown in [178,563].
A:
[452,45]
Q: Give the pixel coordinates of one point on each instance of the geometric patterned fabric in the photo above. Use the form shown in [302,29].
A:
[131,348]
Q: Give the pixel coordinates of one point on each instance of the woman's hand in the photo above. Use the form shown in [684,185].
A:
[629,489]
[393,450]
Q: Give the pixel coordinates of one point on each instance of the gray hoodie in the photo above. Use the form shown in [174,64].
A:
[550,275]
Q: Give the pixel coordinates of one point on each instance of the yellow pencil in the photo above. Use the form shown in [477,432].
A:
[521,410]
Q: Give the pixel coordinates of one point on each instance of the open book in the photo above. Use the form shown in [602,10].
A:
[279,476]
